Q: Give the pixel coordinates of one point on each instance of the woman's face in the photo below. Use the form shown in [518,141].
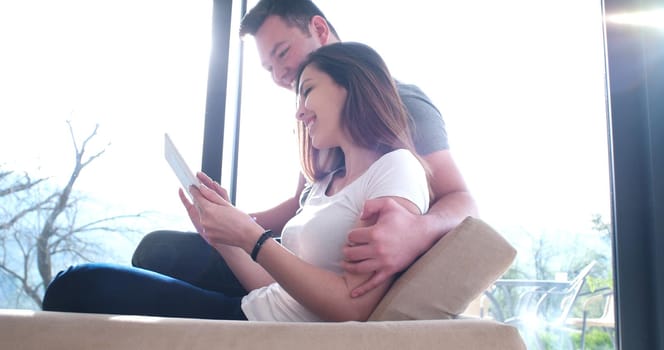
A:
[320,102]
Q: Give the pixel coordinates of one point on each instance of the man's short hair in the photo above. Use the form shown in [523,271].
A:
[294,12]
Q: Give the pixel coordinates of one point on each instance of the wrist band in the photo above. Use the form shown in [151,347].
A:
[259,243]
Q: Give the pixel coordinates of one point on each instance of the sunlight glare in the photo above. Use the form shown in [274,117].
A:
[653,18]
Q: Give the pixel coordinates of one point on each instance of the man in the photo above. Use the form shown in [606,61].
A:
[285,32]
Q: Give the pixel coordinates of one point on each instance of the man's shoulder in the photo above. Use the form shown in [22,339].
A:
[413,97]
[427,126]
[410,90]
[416,101]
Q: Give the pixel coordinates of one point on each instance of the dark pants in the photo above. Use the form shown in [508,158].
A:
[187,257]
[124,290]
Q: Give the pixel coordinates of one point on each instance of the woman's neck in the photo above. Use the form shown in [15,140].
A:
[357,160]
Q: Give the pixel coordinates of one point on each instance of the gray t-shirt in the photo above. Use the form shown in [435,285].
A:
[427,123]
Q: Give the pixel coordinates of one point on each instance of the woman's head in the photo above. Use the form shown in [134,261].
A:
[372,114]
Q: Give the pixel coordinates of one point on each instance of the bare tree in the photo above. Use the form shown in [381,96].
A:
[36,228]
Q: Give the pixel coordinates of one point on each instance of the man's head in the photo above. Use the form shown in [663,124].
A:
[286,31]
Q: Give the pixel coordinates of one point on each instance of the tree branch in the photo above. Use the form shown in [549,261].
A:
[43,257]
[24,212]
[28,184]
[57,236]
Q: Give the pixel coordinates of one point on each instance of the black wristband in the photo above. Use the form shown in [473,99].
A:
[259,243]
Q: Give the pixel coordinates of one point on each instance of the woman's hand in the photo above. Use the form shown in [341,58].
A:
[217,220]
[192,211]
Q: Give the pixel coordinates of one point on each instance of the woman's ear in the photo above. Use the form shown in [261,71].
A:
[320,29]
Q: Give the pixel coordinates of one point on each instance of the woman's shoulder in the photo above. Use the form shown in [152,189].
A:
[398,155]
[398,159]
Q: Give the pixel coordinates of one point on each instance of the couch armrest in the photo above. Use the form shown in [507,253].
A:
[443,282]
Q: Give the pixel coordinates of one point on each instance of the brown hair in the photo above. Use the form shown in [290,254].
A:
[294,12]
[373,114]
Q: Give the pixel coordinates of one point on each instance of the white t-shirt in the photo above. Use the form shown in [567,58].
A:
[318,233]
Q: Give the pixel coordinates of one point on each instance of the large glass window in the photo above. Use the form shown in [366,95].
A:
[521,87]
[132,69]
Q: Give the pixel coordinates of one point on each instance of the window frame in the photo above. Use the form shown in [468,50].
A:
[636,142]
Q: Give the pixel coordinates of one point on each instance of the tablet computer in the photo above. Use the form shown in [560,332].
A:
[179,166]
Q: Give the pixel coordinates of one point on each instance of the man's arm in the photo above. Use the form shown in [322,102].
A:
[275,218]
[452,201]
[398,237]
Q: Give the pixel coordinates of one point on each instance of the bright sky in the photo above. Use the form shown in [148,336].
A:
[520,84]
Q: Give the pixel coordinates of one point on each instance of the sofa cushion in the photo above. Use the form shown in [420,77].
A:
[442,282]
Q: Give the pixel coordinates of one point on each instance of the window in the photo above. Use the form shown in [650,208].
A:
[521,86]
[135,69]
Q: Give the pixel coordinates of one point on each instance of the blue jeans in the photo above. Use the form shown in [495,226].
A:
[117,289]
[187,257]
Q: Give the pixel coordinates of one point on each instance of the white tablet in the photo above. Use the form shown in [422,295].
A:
[179,166]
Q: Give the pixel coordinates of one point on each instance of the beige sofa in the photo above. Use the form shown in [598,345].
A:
[418,312]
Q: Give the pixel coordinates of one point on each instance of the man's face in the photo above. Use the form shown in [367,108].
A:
[282,48]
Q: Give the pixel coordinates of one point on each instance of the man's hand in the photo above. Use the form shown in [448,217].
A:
[388,246]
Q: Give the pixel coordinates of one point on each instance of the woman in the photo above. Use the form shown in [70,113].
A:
[355,145]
